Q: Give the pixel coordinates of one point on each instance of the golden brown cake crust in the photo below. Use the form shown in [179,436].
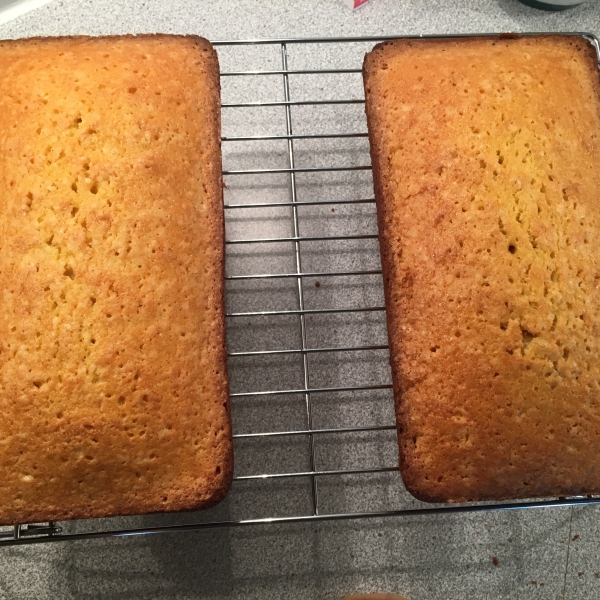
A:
[113,382]
[486,166]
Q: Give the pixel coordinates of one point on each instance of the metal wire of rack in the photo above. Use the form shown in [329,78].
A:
[301,434]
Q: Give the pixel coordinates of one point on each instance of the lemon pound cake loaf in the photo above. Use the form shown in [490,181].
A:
[113,384]
[486,163]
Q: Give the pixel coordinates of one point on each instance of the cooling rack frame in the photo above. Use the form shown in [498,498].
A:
[52,532]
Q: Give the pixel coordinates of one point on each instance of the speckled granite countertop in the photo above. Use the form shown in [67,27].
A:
[539,553]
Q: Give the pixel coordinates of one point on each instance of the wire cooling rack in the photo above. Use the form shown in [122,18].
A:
[311,398]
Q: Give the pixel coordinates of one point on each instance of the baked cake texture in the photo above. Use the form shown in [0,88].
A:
[486,165]
[113,383]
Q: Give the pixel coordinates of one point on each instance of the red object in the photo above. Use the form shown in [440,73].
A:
[354,4]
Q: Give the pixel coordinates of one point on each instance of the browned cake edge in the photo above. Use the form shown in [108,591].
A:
[221,485]
[215,493]
[372,62]
[215,194]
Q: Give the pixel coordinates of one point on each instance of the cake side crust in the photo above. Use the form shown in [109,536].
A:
[116,401]
[444,298]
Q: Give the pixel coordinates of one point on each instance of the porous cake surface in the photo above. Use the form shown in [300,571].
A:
[486,164]
[113,384]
